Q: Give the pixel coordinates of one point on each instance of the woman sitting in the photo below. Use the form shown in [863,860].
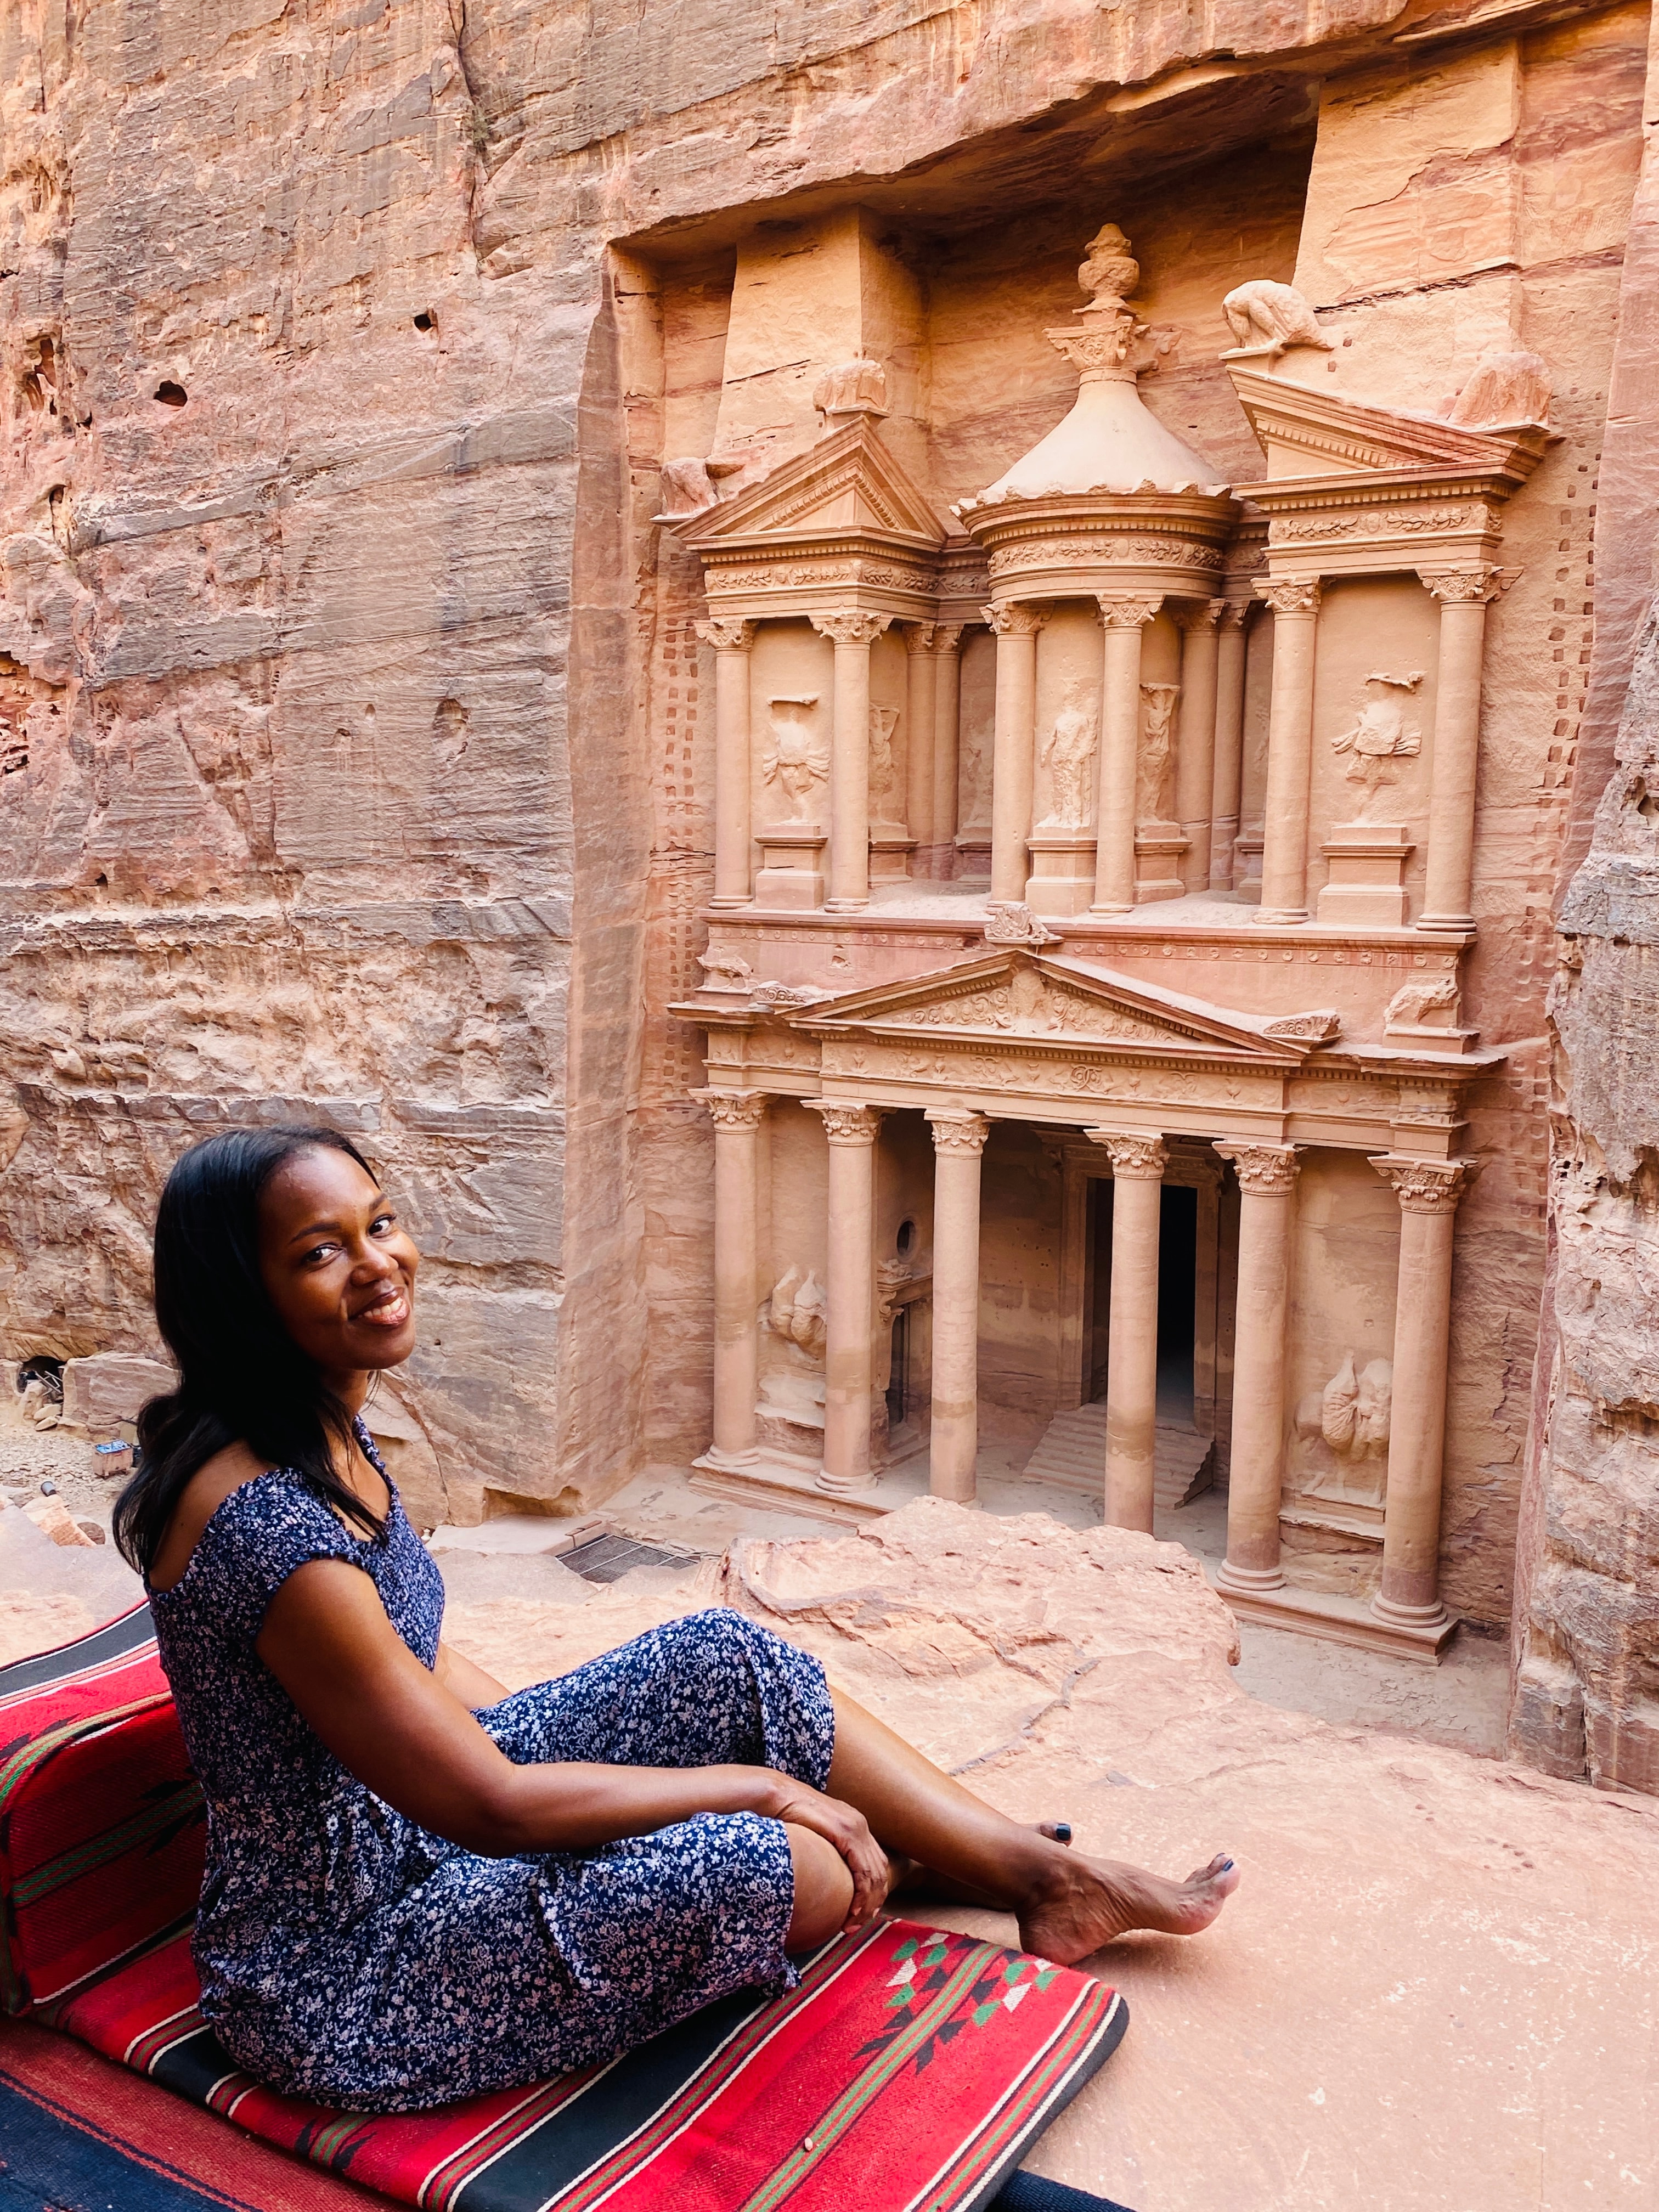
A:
[419,1886]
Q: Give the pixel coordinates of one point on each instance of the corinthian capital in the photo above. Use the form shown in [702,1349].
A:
[1013,621]
[1136,1158]
[1126,614]
[918,637]
[734,1109]
[845,1121]
[958,1132]
[1464,583]
[1234,613]
[850,628]
[1291,595]
[1426,1186]
[726,632]
[1198,615]
[947,637]
[1264,1170]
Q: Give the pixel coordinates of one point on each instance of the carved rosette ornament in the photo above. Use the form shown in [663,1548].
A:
[1463,585]
[1296,597]
[847,627]
[1015,621]
[958,1132]
[734,1109]
[1426,1186]
[846,1122]
[1135,1158]
[726,632]
[1264,1170]
[1126,614]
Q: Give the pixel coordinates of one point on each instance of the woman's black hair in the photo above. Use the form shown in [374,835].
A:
[240,1374]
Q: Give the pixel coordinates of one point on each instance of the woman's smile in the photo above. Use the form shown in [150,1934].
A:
[389,1308]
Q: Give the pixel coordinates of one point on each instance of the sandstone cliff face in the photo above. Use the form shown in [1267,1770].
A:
[1586,1636]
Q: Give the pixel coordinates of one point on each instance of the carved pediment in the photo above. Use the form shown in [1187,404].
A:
[845,486]
[1041,1001]
[1306,431]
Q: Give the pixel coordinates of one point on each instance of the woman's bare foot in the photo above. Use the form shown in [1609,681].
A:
[1094,1901]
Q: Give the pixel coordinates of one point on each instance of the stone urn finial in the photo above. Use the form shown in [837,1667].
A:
[1111,272]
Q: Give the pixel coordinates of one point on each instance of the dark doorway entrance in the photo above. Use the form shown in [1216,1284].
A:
[1177,1266]
[898,1380]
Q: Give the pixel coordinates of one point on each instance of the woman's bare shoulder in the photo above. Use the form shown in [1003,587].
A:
[203,1495]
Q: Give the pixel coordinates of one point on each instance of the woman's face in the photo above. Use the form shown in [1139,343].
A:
[340,1271]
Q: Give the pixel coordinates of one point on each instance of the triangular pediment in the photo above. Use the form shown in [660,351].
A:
[847,484]
[1039,999]
[1305,432]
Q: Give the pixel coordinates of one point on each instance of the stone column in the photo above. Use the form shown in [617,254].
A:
[1290,748]
[1123,621]
[953,1446]
[1230,645]
[852,635]
[1266,1214]
[1132,1362]
[1195,739]
[1013,747]
[1464,595]
[737,1115]
[921,671]
[1428,1191]
[947,701]
[732,640]
[850,1294]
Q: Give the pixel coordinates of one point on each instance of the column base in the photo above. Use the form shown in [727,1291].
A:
[1112,906]
[731,902]
[1250,1582]
[775,1485]
[1452,924]
[1427,1617]
[846,905]
[842,1486]
[728,1463]
[1337,1619]
[1282,917]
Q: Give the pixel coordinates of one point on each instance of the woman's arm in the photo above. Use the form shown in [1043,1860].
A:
[470,1683]
[410,1739]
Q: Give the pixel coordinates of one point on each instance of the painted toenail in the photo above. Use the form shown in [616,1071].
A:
[1226,1866]
[1062,1832]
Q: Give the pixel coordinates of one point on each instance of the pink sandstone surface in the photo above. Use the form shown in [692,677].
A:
[1436,1987]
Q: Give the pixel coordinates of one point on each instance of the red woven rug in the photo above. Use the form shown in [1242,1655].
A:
[910,2072]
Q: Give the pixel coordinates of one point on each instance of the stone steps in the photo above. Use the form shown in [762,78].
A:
[1072,1453]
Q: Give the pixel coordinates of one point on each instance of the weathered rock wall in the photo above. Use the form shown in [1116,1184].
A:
[1587,1613]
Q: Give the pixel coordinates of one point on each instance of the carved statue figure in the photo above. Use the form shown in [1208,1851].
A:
[853,387]
[1111,272]
[975,798]
[1355,1410]
[797,758]
[1350,1417]
[1380,735]
[725,971]
[1504,387]
[1155,765]
[1264,313]
[795,1312]
[1068,752]
[1011,922]
[885,806]
[1426,1002]
[690,486]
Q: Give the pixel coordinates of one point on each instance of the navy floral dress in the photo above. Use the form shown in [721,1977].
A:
[347,1956]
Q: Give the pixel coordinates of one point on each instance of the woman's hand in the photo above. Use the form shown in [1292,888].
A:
[846,1827]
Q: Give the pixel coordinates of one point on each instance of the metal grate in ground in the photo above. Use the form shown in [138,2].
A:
[607,1558]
